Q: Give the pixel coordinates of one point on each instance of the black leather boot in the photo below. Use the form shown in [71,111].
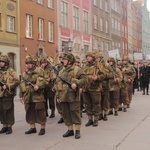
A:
[125,109]
[30,131]
[110,112]
[3,130]
[105,117]
[9,130]
[89,123]
[77,134]
[95,123]
[68,133]
[42,132]
[120,109]
[52,114]
[61,120]
[100,117]
[116,113]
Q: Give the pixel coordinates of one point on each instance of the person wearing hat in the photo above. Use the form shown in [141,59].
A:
[115,77]
[49,94]
[69,96]
[105,92]
[92,91]
[145,76]
[9,82]
[77,61]
[129,73]
[32,86]
[123,100]
[59,67]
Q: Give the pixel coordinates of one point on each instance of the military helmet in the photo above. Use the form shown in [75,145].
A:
[69,56]
[31,59]
[125,58]
[77,59]
[99,55]
[111,59]
[120,63]
[90,53]
[4,58]
[43,60]
[51,59]
[61,54]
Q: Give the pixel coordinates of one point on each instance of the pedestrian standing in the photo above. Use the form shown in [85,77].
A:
[8,83]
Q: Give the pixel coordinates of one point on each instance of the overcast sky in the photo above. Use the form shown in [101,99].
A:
[148,5]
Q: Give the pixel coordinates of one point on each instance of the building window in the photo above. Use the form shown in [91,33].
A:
[10,23]
[101,4]
[76,18]
[106,6]
[28,26]
[107,26]
[101,24]
[95,22]
[102,46]
[86,48]
[40,1]
[85,22]
[12,60]
[0,21]
[64,12]
[41,29]
[51,31]
[76,46]
[95,2]
[50,3]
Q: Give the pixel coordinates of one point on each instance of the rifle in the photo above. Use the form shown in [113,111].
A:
[57,72]
[28,82]
[2,84]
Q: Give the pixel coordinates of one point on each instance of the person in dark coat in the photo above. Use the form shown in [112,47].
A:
[145,75]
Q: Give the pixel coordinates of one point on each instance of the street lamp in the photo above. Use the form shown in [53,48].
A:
[70,45]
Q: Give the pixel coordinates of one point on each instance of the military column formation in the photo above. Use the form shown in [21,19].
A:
[96,86]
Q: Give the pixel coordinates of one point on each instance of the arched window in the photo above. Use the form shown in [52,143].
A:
[12,57]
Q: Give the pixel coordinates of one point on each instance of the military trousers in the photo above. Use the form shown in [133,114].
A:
[130,89]
[114,99]
[35,113]
[92,100]
[7,110]
[49,96]
[124,99]
[71,113]
[105,101]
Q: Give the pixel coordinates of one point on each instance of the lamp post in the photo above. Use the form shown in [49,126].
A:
[69,45]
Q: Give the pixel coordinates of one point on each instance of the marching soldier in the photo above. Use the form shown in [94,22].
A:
[123,90]
[92,92]
[8,83]
[145,75]
[105,91]
[49,94]
[115,77]
[32,88]
[69,96]
[59,67]
[130,74]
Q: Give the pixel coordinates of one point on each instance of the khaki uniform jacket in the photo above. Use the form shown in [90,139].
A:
[73,74]
[10,79]
[36,77]
[89,69]
[114,73]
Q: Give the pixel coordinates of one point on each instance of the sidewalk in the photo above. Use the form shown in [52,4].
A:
[129,131]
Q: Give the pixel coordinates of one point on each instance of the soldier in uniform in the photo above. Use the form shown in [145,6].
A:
[58,105]
[49,94]
[69,97]
[105,90]
[129,71]
[115,77]
[123,90]
[9,82]
[32,88]
[145,75]
[92,92]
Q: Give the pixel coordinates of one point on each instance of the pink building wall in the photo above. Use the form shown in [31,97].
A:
[68,33]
